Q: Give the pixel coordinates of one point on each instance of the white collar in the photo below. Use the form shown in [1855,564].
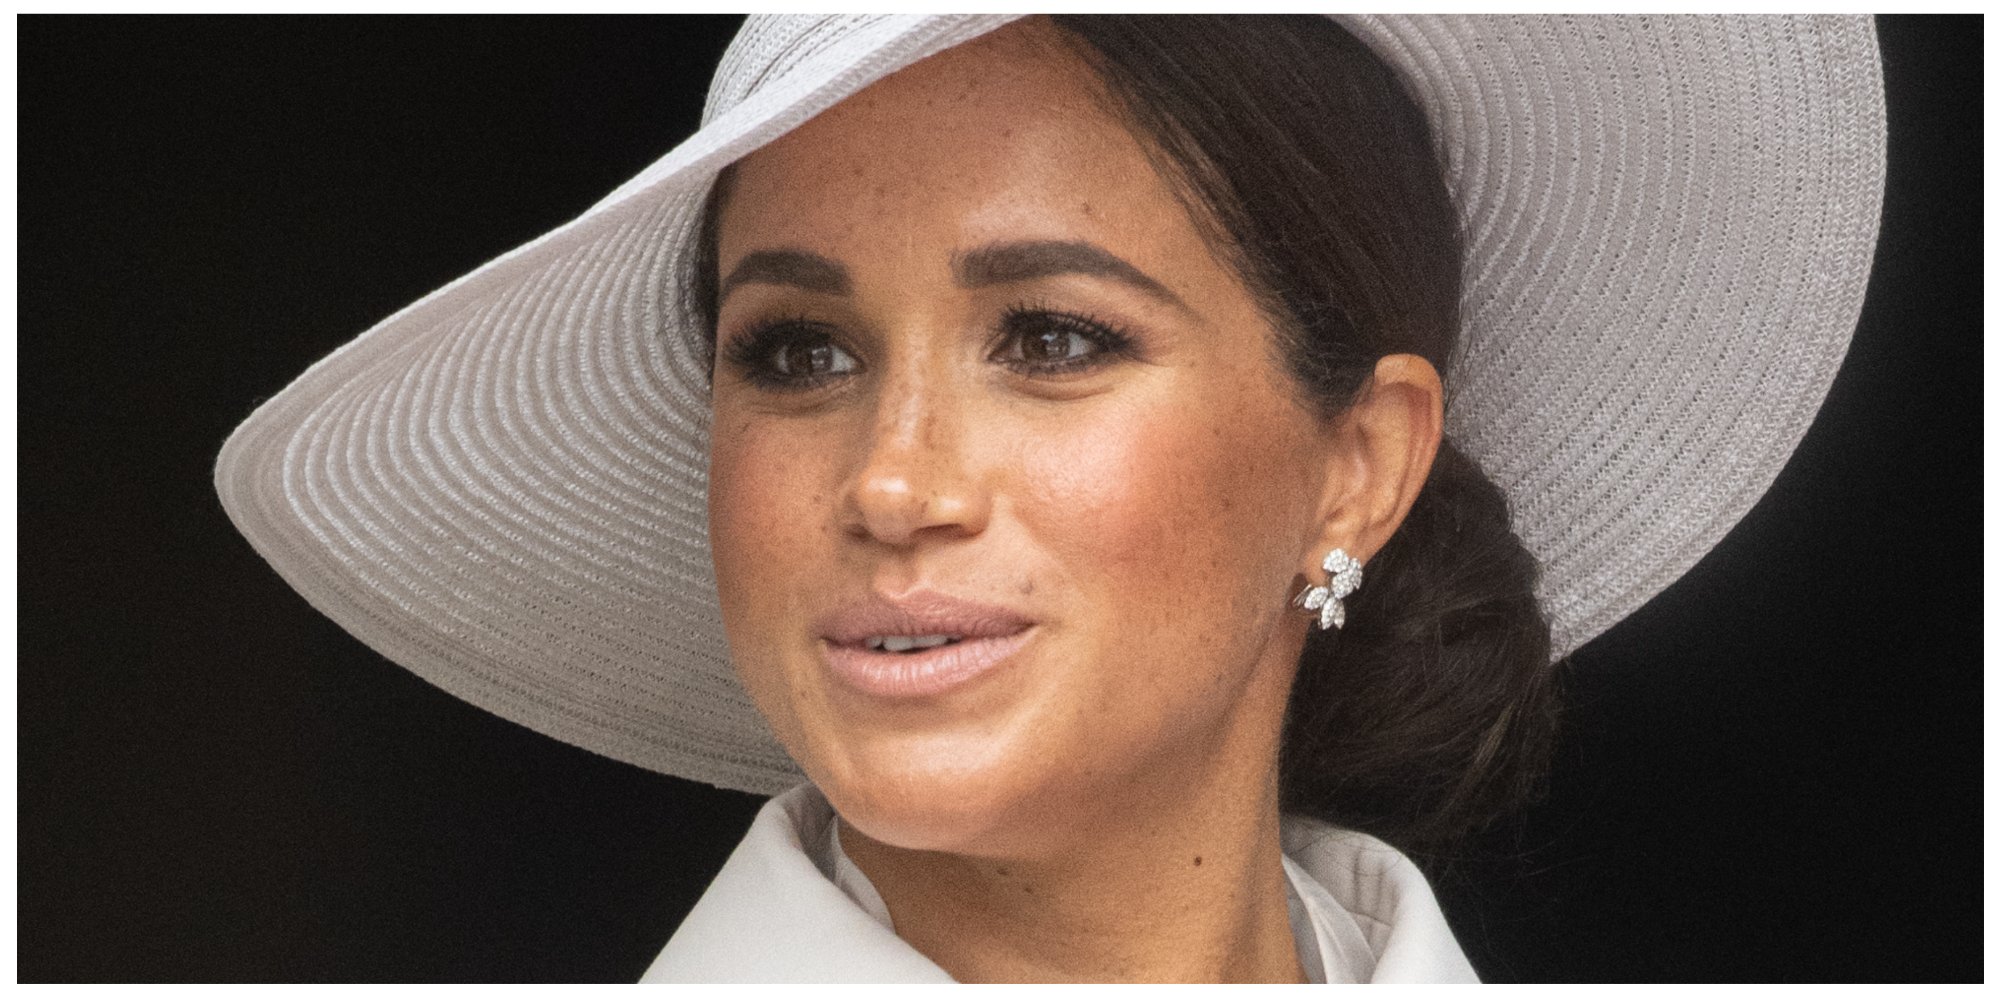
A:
[789,907]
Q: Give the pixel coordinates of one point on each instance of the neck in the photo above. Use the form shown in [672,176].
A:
[1184,884]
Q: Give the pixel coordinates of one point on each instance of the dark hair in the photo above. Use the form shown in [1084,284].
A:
[1312,172]
[1433,711]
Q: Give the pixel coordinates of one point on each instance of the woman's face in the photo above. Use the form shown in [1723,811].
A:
[979,377]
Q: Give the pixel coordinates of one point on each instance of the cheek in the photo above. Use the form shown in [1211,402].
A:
[746,500]
[1175,515]
[762,489]
[1175,526]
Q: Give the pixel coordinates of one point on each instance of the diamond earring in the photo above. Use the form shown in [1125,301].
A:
[1344,578]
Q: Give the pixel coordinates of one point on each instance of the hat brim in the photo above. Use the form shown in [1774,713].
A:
[1669,228]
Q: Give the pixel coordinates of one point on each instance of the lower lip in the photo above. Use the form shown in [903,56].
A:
[920,673]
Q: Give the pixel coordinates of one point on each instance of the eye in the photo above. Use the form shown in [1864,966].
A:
[790,354]
[811,359]
[1045,341]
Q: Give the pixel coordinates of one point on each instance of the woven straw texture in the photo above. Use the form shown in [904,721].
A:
[1670,221]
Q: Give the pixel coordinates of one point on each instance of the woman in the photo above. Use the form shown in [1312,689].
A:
[1048,374]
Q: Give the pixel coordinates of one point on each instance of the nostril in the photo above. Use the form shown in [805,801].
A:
[913,480]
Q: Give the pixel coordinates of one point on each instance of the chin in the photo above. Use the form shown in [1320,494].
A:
[939,795]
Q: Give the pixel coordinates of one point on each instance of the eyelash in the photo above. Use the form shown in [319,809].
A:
[1112,342]
[753,353]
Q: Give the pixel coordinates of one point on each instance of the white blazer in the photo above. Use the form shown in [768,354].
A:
[788,906]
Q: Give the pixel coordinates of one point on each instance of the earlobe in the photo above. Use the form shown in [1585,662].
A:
[1343,578]
[1387,441]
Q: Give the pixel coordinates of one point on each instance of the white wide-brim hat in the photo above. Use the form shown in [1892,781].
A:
[1669,224]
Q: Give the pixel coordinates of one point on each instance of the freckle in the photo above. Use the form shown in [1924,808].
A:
[1027,587]
[1029,889]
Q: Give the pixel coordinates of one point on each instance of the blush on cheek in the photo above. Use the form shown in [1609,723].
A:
[1091,494]
[1152,504]
[1168,520]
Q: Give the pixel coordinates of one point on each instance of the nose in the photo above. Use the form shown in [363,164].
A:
[913,480]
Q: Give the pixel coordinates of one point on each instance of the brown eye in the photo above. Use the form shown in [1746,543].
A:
[811,358]
[1054,346]
[1043,341]
[787,355]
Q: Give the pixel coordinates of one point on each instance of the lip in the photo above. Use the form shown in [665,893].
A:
[988,636]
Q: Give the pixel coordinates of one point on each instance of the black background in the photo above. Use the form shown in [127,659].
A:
[1772,771]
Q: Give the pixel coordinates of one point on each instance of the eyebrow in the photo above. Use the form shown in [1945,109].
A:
[798,268]
[1026,260]
[993,264]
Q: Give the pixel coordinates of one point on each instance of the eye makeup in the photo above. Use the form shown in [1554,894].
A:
[1033,335]
[781,354]
[792,353]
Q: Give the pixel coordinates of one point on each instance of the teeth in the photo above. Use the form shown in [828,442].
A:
[905,643]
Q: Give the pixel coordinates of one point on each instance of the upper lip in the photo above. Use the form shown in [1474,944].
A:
[921,612]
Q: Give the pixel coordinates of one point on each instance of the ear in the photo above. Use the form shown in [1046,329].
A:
[1381,454]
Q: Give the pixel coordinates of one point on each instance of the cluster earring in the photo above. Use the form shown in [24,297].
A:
[1343,578]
